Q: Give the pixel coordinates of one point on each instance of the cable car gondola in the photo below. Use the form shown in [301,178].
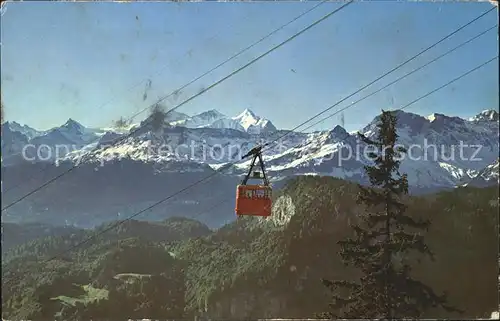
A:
[254,199]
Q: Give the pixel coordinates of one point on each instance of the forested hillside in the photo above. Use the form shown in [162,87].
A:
[251,267]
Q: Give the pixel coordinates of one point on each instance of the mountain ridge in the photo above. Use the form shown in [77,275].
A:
[116,180]
[297,151]
[487,115]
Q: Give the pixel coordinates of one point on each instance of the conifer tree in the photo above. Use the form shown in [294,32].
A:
[386,288]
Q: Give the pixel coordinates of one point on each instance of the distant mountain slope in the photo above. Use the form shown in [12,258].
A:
[20,238]
[114,179]
[13,143]
[17,234]
[199,120]
[254,124]
[24,129]
[279,260]
[487,177]
[247,121]
[252,268]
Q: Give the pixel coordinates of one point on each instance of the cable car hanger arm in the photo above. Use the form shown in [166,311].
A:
[266,182]
[256,152]
[247,176]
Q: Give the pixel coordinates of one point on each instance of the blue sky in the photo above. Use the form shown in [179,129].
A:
[81,60]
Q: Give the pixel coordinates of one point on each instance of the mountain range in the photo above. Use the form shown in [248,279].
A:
[124,170]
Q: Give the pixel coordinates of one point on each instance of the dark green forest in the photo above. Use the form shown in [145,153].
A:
[250,268]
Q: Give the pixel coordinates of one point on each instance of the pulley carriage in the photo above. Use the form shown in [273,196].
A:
[254,199]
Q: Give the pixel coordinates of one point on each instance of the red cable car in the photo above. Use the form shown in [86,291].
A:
[254,200]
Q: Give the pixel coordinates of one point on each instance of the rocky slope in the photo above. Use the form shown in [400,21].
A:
[251,268]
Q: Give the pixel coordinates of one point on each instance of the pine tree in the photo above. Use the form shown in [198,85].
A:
[386,288]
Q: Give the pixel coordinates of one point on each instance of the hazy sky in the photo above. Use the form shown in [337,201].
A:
[81,60]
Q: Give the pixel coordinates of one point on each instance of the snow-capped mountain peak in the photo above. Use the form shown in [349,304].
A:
[12,139]
[211,114]
[24,129]
[488,176]
[247,118]
[247,113]
[486,115]
[71,133]
[204,119]
[254,124]
[73,126]
[442,147]
[247,121]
